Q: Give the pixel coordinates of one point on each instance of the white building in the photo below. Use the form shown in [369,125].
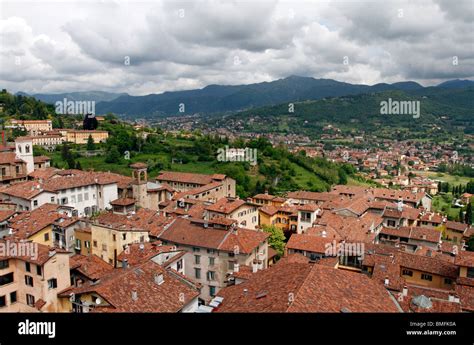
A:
[85,193]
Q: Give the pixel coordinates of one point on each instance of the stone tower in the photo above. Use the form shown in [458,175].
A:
[139,185]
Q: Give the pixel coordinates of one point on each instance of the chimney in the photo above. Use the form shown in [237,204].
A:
[386,281]
[159,278]
[245,292]
[254,267]
[405,291]
[124,263]
[134,295]
[236,267]
[451,297]
[456,299]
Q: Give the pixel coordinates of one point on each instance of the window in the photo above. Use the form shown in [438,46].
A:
[104,247]
[197,259]
[211,261]
[78,244]
[407,273]
[4,171]
[3,264]
[39,271]
[197,273]
[231,255]
[52,283]
[13,298]
[211,251]
[114,237]
[211,275]
[448,281]
[27,148]
[52,199]
[196,249]
[35,202]
[305,217]
[28,280]
[86,196]
[3,301]
[27,267]
[87,244]
[470,272]
[428,277]
[46,236]
[95,244]
[179,265]
[212,290]
[17,169]
[124,237]
[231,265]
[79,197]
[30,300]
[391,223]
[6,279]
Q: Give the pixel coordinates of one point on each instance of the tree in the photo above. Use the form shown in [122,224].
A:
[276,239]
[113,156]
[470,243]
[67,156]
[90,144]
[468,215]
[461,213]
[78,165]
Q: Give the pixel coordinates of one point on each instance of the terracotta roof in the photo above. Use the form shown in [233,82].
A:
[138,165]
[137,253]
[310,243]
[184,232]
[44,173]
[30,189]
[457,226]
[425,234]
[26,224]
[226,205]
[263,196]
[117,288]
[184,177]
[123,202]
[143,220]
[41,255]
[437,297]
[9,158]
[302,287]
[90,266]
[6,214]
[465,258]
[466,296]
[313,196]
[41,159]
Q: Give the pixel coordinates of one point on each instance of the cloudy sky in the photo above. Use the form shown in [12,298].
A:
[143,47]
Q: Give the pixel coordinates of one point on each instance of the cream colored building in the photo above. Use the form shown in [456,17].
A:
[30,283]
[33,126]
[81,136]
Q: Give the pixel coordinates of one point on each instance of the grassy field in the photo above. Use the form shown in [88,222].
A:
[443,203]
[452,179]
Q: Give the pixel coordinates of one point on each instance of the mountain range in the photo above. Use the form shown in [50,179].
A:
[233,98]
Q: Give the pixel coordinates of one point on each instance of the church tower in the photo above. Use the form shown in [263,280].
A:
[24,151]
[139,184]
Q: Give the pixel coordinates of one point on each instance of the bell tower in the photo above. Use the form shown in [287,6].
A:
[24,151]
[139,184]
